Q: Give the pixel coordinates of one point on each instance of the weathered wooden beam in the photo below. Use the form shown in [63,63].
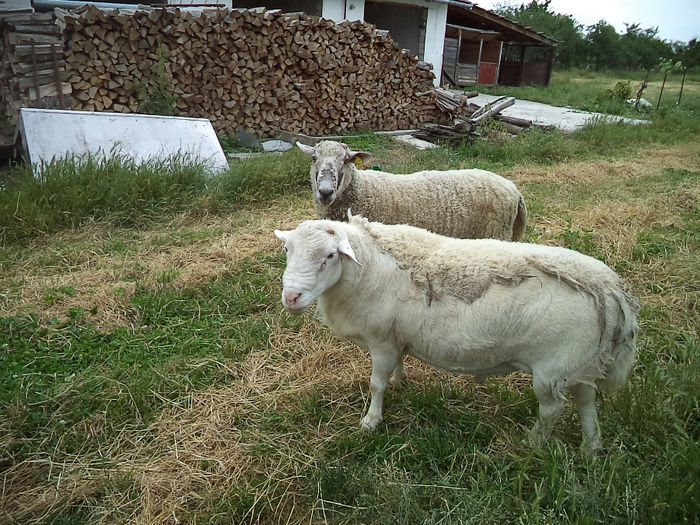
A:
[495,108]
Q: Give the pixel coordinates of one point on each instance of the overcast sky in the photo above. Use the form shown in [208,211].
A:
[675,19]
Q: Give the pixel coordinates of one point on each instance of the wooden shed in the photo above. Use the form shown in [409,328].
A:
[482,47]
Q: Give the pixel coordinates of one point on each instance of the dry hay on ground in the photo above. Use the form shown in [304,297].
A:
[103,284]
[647,163]
[615,219]
[220,438]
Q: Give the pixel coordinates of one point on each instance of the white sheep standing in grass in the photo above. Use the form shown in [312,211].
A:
[468,204]
[475,306]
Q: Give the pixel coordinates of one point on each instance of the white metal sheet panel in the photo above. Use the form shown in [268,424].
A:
[49,134]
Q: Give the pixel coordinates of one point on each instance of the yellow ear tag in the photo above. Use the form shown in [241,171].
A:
[358,162]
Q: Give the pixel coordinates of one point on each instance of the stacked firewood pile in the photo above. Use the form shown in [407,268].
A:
[254,69]
[32,68]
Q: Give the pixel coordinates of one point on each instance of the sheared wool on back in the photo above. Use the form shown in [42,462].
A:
[466,268]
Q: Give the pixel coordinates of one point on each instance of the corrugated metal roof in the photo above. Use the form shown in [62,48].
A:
[504,25]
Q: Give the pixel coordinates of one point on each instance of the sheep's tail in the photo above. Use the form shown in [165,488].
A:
[520,220]
[624,344]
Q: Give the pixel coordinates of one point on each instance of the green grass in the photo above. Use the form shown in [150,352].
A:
[210,404]
[69,372]
[587,90]
[71,191]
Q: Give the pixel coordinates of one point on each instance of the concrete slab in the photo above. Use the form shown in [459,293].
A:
[276,145]
[49,134]
[419,144]
[566,119]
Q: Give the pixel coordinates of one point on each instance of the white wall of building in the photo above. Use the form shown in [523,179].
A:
[435,38]
[354,10]
[339,10]
[334,10]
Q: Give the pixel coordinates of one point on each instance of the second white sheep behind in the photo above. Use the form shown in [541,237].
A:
[467,204]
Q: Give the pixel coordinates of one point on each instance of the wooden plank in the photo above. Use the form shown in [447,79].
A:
[21,68]
[49,90]
[25,38]
[521,122]
[28,50]
[43,29]
[493,108]
[44,77]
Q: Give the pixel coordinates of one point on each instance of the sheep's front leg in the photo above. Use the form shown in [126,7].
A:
[384,361]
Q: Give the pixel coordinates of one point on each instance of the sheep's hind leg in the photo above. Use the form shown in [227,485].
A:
[399,377]
[384,361]
[551,407]
[584,397]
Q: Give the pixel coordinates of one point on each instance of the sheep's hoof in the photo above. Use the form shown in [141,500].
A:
[398,382]
[370,423]
[591,447]
[536,437]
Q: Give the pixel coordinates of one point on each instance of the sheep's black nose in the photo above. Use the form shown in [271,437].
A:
[325,192]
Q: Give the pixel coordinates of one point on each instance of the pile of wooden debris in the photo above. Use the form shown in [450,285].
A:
[32,67]
[462,120]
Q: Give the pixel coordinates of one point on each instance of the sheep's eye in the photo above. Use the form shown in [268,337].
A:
[331,255]
[285,249]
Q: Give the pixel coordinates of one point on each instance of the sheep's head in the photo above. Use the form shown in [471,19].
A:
[331,169]
[314,251]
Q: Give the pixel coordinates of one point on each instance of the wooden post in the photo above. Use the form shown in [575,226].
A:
[57,77]
[682,82]
[550,62]
[478,60]
[498,64]
[459,50]
[662,91]
[521,65]
[36,71]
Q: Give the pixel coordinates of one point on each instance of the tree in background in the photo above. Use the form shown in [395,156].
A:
[642,48]
[571,49]
[604,49]
[599,46]
[688,54]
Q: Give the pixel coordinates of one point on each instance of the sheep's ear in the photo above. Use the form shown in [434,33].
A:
[306,149]
[352,155]
[282,236]
[345,248]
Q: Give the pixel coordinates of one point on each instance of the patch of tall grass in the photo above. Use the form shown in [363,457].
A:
[257,180]
[67,192]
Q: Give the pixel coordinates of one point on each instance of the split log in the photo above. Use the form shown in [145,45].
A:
[520,122]
[491,109]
